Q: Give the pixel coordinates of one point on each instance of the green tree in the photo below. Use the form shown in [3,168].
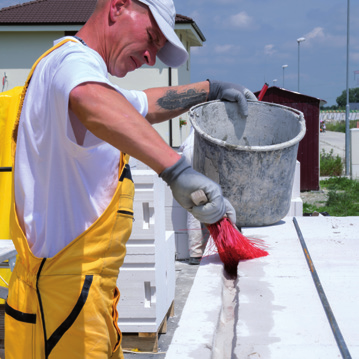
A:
[353,97]
[327,108]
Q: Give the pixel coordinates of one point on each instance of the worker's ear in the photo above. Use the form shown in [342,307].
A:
[117,7]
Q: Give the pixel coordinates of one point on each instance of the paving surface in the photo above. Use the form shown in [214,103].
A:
[332,141]
[327,141]
[278,313]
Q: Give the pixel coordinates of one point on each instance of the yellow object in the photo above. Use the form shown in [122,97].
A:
[65,306]
[5,274]
[9,104]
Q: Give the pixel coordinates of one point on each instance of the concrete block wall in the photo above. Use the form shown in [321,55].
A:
[147,277]
[354,153]
[272,310]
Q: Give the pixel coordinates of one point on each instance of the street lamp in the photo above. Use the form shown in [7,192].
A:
[301,39]
[284,66]
[347,108]
[274,81]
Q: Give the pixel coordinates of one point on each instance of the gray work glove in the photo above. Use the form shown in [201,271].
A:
[227,91]
[184,180]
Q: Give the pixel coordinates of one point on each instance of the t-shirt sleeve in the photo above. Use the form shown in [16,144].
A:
[137,98]
[76,65]
[84,66]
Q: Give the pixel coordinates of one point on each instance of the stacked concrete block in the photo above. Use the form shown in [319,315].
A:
[176,221]
[176,217]
[296,204]
[147,277]
[354,152]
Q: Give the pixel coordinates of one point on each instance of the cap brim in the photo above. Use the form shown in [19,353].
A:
[173,54]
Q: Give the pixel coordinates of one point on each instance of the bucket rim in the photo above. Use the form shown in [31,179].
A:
[278,146]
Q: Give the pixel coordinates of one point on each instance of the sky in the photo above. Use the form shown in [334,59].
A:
[248,42]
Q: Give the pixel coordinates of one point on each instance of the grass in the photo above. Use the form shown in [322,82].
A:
[343,193]
[330,165]
[339,126]
[343,198]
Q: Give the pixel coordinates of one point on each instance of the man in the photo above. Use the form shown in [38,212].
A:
[198,234]
[72,184]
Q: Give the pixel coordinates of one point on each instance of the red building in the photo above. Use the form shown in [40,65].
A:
[308,151]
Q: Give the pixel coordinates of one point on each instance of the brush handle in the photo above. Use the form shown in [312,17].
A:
[199,197]
[263,91]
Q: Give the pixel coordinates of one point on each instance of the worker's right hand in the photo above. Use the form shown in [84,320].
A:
[184,180]
[219,90]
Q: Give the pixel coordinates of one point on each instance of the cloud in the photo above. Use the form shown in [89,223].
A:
[196,50]
[198,16]
[316,33]
[319,36]
[221,49]
[223,54]
[241,20]
[269,50]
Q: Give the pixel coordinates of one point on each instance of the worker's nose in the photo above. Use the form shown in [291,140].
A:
[150,57]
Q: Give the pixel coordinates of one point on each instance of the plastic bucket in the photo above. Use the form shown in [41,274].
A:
[253,159]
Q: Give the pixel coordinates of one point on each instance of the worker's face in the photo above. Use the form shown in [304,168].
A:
[136,42]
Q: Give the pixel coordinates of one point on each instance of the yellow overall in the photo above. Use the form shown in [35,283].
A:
[65,306]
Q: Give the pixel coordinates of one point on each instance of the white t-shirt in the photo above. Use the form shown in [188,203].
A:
[61,188]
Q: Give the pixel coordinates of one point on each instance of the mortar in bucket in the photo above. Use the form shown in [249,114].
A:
[253,159]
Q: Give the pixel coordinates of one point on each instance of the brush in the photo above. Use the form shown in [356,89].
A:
[231,244]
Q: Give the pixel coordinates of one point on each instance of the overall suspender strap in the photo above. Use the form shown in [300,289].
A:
[22,97]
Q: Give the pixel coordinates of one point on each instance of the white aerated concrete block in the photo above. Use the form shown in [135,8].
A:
[147,277]
[175,216]
[176,220]
[273,310]
[296,205]
[354,152]
[296,183]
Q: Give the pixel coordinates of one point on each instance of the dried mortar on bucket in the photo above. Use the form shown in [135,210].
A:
[253,158]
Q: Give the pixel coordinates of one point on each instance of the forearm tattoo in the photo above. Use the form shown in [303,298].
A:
[181,101]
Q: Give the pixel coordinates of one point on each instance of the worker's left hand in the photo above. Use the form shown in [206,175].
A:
[219,90]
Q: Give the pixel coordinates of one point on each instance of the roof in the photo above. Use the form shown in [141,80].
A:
[61,12]
[181,19]
[290,95]
[47,12]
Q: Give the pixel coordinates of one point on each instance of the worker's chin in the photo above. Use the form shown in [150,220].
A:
[121,74]
[118,72]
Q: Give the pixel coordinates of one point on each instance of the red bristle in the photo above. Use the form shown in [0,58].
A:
[233,246]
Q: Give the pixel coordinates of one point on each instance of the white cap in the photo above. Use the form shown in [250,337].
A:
[173,54]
